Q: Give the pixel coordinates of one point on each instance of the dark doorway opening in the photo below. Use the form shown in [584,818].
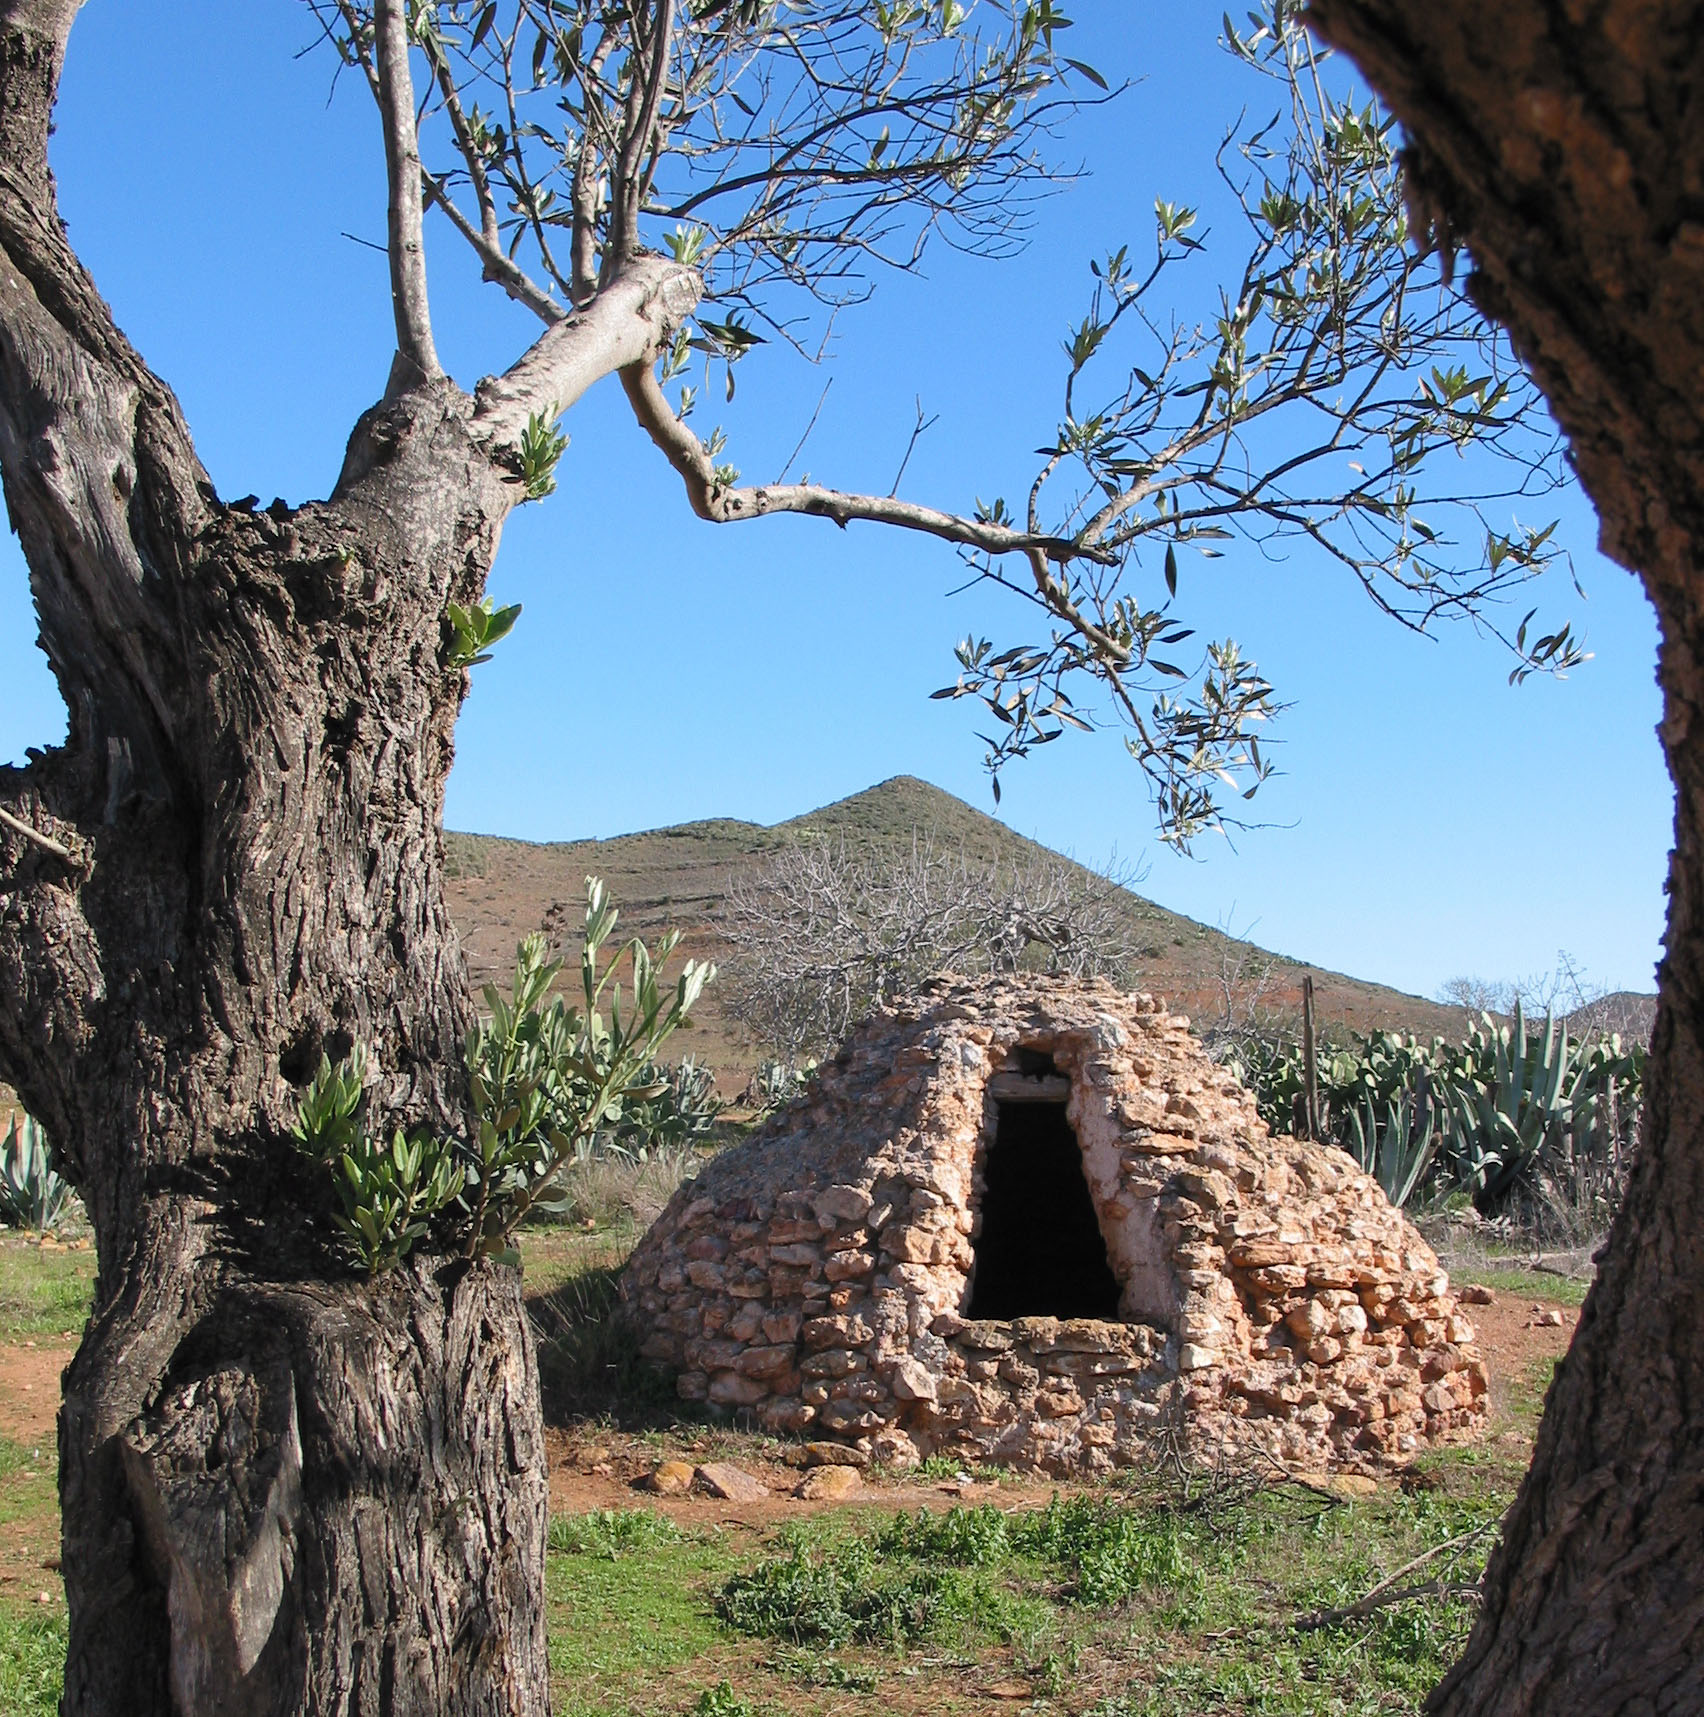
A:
[1040,1251]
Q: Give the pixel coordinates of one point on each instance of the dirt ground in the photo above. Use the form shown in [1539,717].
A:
[29,1519]
[29,1389]
[597,1467]
[1513,1339]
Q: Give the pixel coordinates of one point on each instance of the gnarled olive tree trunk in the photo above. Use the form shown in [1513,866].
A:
[1563,146]
[285,1488]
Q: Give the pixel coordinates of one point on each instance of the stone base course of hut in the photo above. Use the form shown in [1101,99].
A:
[1264,1298]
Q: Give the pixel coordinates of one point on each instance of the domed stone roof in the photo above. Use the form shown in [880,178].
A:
[1026,1219]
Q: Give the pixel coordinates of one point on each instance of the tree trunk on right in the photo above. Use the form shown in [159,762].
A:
[1560,144]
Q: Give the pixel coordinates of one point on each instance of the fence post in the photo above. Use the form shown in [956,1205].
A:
[1310,1060]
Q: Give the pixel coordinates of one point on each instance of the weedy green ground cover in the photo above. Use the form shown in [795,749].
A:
[32,1663]
[42,1292]
[32,1635]
[1097,1603]
[636,1626]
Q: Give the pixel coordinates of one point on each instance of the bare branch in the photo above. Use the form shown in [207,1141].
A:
[1387,1592]
[639,134]
[490,239]
[719,502]
[796,149]
[800,447]
[805,144]
[919,429]
[417,357]
[583,193]
[46,842]
[498,267]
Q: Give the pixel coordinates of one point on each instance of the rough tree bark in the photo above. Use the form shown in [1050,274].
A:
[284,1488]
[1562,145]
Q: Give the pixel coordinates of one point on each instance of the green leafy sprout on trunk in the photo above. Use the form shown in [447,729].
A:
[549,1084]
[474,630]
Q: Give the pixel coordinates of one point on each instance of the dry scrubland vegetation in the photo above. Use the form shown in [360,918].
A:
[811,920]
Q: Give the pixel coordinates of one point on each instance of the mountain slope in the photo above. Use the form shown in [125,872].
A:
[500,889]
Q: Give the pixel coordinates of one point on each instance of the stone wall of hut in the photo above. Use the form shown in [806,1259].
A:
[817,1276]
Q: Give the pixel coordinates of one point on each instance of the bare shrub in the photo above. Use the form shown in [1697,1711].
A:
[824,934]
[1590,1009]
[1247,978]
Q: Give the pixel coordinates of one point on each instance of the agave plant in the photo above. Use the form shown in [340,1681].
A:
[32,1193]
[1397,1150]
[1387,1065]
[1509,1108]
[1515,1109]
[776,1083]
[682,1112]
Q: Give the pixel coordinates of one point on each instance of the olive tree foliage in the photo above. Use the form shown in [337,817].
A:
[741,169]
[776,153]
[1343,399]
[823,934]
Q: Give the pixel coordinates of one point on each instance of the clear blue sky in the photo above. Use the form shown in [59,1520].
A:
[1430,821]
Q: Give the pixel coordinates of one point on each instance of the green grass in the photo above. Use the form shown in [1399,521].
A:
[552,1257]
[1519,1284]
[811,1668]
[589,1362]
[1524,1393]
[1126,1600]
[1386,1666]
[1097,1604]
[624,1626]
[32,1637]
[42,1293]
[722,1701]
[29,1492]
[32,1664]
[611,1533]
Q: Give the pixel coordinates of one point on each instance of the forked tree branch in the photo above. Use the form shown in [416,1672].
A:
[623,325]
[722,503]
[489,233]
[639,133]
[499,268]
[486,238]
[583,186]
[417,357]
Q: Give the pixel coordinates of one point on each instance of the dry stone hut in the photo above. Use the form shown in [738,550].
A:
[1027,1220]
